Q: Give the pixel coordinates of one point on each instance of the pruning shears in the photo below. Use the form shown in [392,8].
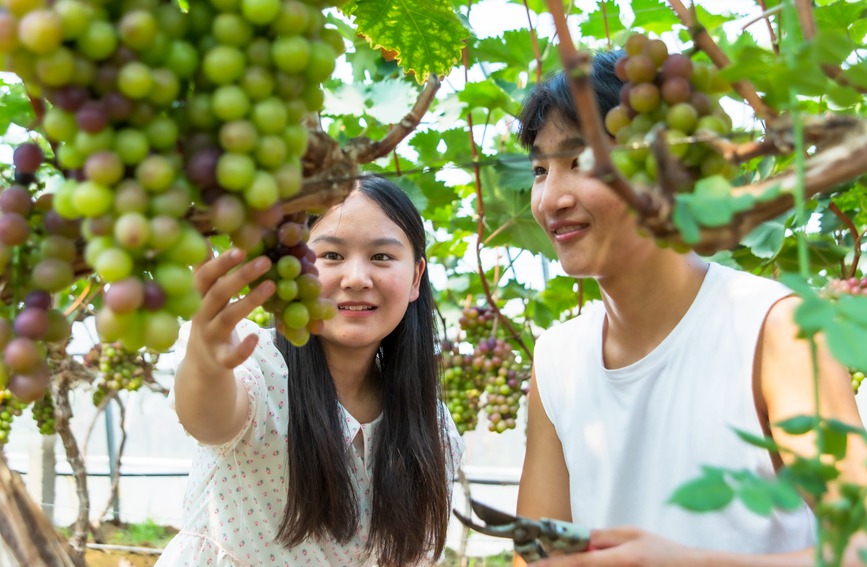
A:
[534,539]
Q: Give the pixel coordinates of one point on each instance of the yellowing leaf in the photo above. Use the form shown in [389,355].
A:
[426,35]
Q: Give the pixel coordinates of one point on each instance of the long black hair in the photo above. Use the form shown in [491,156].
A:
[410,510]
[553,98]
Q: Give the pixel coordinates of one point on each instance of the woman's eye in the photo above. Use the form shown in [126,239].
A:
[330,256]
[538,170]
[380,257]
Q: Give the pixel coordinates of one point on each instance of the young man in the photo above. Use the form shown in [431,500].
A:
[632,397]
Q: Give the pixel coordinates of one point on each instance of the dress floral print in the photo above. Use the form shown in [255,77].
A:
[233,505]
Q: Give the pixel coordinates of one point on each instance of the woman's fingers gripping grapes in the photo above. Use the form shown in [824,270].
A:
[219,280]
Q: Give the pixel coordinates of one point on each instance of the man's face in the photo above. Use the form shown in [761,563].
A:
[590,226]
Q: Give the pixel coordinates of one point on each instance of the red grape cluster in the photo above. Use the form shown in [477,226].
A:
[10,407]
[153,109]
[119,369]
[31,234]
[491,369]
[495,361]
[477,323]
[670,94]
[848,286]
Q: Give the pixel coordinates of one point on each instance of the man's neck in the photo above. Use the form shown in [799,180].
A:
[645,302]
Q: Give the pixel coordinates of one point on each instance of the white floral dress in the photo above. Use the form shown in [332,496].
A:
[234,500]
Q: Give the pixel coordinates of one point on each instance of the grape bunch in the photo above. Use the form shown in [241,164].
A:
[10,407]
[672,95]
[119,369]
[260,317]
[491,369]
[31,234]
[495,361]
[43,414]
[857,378]
[297,304]
[848,286]
[477,323]
[462,391]
[153,109]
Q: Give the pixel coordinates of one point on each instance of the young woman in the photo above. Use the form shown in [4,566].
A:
[335,453]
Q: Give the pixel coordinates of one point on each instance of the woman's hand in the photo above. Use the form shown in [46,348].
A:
[213,340]
[211,402]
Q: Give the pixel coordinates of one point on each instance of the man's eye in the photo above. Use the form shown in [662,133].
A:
[538,170]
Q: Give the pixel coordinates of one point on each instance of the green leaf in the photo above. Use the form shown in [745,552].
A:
[853,308]
[756,498]
[427,35]
[602,23]
[784,495]
[842,427]
[685,222]
[414,192]
[707,493]
[489,96]
[798,425]
[831,46]
[846,341]
[766,240]
[832,442]
[762,442]
[653,16]
[814,314]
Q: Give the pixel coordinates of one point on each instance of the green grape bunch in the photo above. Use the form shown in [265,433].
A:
[43,414]
[857,378]
[462,389]
[10,407]
[671,95]
[152,110]
[118,369]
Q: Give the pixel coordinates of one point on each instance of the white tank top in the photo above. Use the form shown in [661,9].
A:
[633,435]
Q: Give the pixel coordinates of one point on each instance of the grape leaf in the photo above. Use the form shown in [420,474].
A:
[602,23]
[489,96]
[426,35]
[707,493]
[653,16]
[846,341]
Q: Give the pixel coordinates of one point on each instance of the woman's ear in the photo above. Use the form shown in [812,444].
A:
[420,267]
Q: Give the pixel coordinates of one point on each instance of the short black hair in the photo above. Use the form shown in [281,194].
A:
[553,95]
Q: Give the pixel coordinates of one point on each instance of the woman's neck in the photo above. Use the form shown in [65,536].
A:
[355,379]
[646,301]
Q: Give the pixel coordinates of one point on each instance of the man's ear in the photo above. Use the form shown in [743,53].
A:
[420,267]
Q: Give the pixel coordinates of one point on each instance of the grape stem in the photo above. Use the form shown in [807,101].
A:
[834,164]
[480,229]
[856,240]
[365,150]
[808,28]
[765,15]
[705,42]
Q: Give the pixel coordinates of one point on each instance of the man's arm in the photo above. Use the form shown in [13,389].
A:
[786,385]
[544,489]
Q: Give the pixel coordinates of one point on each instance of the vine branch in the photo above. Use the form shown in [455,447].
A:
[856,238]
[705,42]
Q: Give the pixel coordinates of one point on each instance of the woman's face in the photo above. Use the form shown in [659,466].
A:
[367,266]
